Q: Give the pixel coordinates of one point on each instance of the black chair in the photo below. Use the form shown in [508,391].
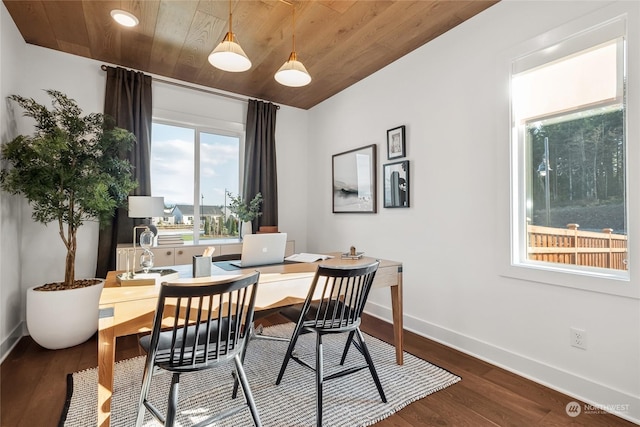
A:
[344,292]
[210,324]
[256,332]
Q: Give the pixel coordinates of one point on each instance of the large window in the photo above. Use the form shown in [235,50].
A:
[568,115]
[194,169]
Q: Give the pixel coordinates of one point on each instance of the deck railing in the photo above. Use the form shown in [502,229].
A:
[573,246]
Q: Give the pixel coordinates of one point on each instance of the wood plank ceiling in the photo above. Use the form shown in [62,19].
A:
[339,41]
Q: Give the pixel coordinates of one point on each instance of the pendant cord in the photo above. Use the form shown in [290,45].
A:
[294,29]
[230,18]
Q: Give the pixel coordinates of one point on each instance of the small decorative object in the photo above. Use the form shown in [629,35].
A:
[144,207]
[396,184]
[201,266]
[354,181]
[146,241]
[396,143]
[245,213]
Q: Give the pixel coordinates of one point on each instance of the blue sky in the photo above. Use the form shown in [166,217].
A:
[172,165]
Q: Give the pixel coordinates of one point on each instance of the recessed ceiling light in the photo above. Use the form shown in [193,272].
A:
[124,18]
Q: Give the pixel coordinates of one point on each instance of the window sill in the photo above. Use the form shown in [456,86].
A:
[603,281]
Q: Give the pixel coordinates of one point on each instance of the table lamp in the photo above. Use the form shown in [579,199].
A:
[144,207]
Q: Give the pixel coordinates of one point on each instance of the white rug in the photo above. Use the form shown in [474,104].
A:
[349,401]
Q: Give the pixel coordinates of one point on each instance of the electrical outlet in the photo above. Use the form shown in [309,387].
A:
[578,338]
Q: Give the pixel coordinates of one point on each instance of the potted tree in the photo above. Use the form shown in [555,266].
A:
[245,212]
[70,172]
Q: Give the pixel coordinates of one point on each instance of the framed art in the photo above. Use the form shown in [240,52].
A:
[354,181]
[396,143]
[396,184]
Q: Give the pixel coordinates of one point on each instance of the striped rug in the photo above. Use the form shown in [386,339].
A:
[349,401]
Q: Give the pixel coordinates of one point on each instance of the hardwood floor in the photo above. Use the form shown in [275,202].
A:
[33,387]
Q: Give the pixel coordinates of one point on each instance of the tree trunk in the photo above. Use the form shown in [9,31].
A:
[70,265]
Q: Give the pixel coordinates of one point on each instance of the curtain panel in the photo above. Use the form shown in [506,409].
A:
[260,174]
[128,102]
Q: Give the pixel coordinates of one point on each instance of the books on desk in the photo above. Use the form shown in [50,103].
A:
[306,257]
[170,240]
[153,277]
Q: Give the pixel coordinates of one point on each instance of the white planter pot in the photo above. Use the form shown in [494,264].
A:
[246,227]
[61,319]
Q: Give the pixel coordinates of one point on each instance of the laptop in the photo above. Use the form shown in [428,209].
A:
[262,249]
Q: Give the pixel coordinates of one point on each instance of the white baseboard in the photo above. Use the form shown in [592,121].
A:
[10,342]
[600,396]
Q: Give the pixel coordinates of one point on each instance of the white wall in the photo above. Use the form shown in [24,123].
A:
[11,314]
[452,94]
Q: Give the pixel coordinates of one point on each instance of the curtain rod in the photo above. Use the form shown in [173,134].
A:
[209,91]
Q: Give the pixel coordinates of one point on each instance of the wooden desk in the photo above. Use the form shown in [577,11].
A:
[129,310]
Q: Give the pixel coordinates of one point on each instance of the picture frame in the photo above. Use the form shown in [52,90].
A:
[396,184]
[354,180]
[396,145]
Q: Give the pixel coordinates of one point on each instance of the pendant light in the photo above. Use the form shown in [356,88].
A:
[293,73]
[228,55]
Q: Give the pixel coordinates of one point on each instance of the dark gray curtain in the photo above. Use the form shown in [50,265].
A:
[260,160]
[128,102]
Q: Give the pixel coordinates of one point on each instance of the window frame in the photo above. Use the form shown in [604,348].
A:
[204,125]
[513,168]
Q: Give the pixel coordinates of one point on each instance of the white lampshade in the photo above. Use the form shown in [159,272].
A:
[293,73]
[124,18]
[229,56]
[146,206]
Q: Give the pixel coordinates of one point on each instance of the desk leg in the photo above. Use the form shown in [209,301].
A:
[106,362]
[396,308]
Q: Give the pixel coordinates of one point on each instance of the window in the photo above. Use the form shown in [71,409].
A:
[569,136]
[193,169]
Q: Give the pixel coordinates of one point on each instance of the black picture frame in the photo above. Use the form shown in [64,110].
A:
[396,184]
[354,180]
[396,145]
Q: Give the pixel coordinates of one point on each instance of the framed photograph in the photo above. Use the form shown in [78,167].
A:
[354,181]
[396,143]
[396,185]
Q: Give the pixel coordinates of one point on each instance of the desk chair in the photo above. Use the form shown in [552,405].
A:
[256,332]
[344,294]
[216,333]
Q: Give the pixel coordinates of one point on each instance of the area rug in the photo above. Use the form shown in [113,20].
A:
[349,401]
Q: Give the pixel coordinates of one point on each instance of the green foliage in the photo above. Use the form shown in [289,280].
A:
[586,156]
[69,169]
[243,211]
[587,161]
[231,227]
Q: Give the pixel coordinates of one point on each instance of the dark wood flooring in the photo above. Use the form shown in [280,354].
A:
[33,387]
